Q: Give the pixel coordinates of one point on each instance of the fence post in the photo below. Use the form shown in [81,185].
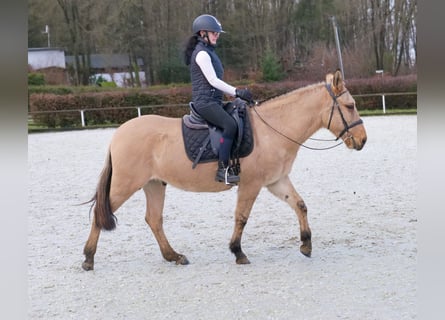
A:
[383,103]
[139,111]
[82,117]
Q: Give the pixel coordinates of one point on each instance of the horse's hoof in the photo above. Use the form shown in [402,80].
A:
[182,260]
[242,260]
[87,266]
[306,250]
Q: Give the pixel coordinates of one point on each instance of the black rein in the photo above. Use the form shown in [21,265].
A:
[334,104]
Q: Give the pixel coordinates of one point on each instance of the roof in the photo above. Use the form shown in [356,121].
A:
[104,61]
[45,49]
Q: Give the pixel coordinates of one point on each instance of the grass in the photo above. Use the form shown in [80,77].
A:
[379,112]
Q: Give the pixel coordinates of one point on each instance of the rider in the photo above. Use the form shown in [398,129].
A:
[206,73]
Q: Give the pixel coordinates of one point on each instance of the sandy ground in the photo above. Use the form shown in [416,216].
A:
[362,212]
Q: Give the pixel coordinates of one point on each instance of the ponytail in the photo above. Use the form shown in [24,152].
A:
[190,46]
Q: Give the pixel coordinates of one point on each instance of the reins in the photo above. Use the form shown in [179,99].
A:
[334,104]
[290,139]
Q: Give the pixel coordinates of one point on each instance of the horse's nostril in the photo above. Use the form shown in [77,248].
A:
[363,141]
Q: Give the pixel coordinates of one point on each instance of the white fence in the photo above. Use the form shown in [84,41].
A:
[385,94]
[83,111]
[138,108]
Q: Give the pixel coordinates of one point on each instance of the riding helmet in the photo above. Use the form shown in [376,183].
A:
[206,22]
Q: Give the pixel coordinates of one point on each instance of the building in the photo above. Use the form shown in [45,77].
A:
[51,63]
[111,67]
[42,58]
[54,64]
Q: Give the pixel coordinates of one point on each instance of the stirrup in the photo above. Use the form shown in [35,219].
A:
[229,177]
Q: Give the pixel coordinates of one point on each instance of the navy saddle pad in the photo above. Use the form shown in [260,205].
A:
[195,137]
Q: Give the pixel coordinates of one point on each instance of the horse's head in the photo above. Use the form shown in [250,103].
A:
[342,118]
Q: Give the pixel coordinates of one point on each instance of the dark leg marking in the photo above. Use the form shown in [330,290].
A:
[306,236]
[241,258]
[235,248]
[301,205]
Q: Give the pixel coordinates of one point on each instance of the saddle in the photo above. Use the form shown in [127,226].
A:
[201,139]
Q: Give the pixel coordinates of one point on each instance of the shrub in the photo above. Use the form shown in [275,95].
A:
[36,79]
[61,105]
[271,68]
[108,84]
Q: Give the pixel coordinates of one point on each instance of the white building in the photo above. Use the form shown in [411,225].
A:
[40,58]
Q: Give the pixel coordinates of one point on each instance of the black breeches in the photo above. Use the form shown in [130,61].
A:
[216,115]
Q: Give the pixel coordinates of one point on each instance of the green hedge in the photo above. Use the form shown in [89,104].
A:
[36,79]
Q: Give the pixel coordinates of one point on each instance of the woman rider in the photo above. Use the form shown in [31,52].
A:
[206,72]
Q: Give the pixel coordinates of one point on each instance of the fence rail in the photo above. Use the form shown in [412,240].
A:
[138,108]
[385,94]
[82,111]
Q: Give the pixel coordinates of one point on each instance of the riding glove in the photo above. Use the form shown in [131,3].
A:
[244,94]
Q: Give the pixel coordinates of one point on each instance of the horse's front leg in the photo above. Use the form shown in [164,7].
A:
[284,190]
[246,198]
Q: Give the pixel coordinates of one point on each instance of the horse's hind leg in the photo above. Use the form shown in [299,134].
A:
[117,197]
[155,194]
[90,247]
[284,190]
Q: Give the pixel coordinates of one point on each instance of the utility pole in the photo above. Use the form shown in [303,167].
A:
[340,62]
[47,32]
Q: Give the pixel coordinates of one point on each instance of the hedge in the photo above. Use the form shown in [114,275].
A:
[62,104]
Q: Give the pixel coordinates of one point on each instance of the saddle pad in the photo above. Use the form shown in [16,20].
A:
[194,139]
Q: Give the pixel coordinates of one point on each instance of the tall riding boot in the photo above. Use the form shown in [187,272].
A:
[225,172]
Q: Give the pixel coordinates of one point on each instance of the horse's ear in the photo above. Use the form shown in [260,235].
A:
[337,82]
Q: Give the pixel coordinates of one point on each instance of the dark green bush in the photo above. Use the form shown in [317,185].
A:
[36,79]
[174,73]
[271,68]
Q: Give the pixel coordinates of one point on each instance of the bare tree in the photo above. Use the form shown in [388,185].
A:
[80,36]
[404,16]
[374,34]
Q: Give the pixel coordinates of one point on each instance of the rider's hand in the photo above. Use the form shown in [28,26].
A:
[244,94]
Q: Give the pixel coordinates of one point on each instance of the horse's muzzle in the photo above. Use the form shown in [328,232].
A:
[354,142]
[359,146]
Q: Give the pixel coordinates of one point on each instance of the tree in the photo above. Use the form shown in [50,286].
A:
[374,34]
[80,41]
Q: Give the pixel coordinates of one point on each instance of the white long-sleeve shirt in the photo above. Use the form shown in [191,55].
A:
[205,63]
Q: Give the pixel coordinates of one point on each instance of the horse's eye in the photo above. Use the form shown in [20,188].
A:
[350,106]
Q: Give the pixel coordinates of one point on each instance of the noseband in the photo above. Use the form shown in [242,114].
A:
[336,104]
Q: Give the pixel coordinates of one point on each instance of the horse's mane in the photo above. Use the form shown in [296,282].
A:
[297,91]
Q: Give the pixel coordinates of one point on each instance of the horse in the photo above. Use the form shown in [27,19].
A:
[148,153]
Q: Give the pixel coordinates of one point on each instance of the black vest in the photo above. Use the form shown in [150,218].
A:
[202,91]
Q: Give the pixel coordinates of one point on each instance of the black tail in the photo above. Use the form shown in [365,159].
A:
[103,215]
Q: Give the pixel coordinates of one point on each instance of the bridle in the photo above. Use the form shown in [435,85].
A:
[336,104]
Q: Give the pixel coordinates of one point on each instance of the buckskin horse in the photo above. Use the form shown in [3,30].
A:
[148,153]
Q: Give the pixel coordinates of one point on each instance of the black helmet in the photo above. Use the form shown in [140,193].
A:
[206,22]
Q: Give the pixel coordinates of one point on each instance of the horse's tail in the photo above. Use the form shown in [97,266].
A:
[103,215]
